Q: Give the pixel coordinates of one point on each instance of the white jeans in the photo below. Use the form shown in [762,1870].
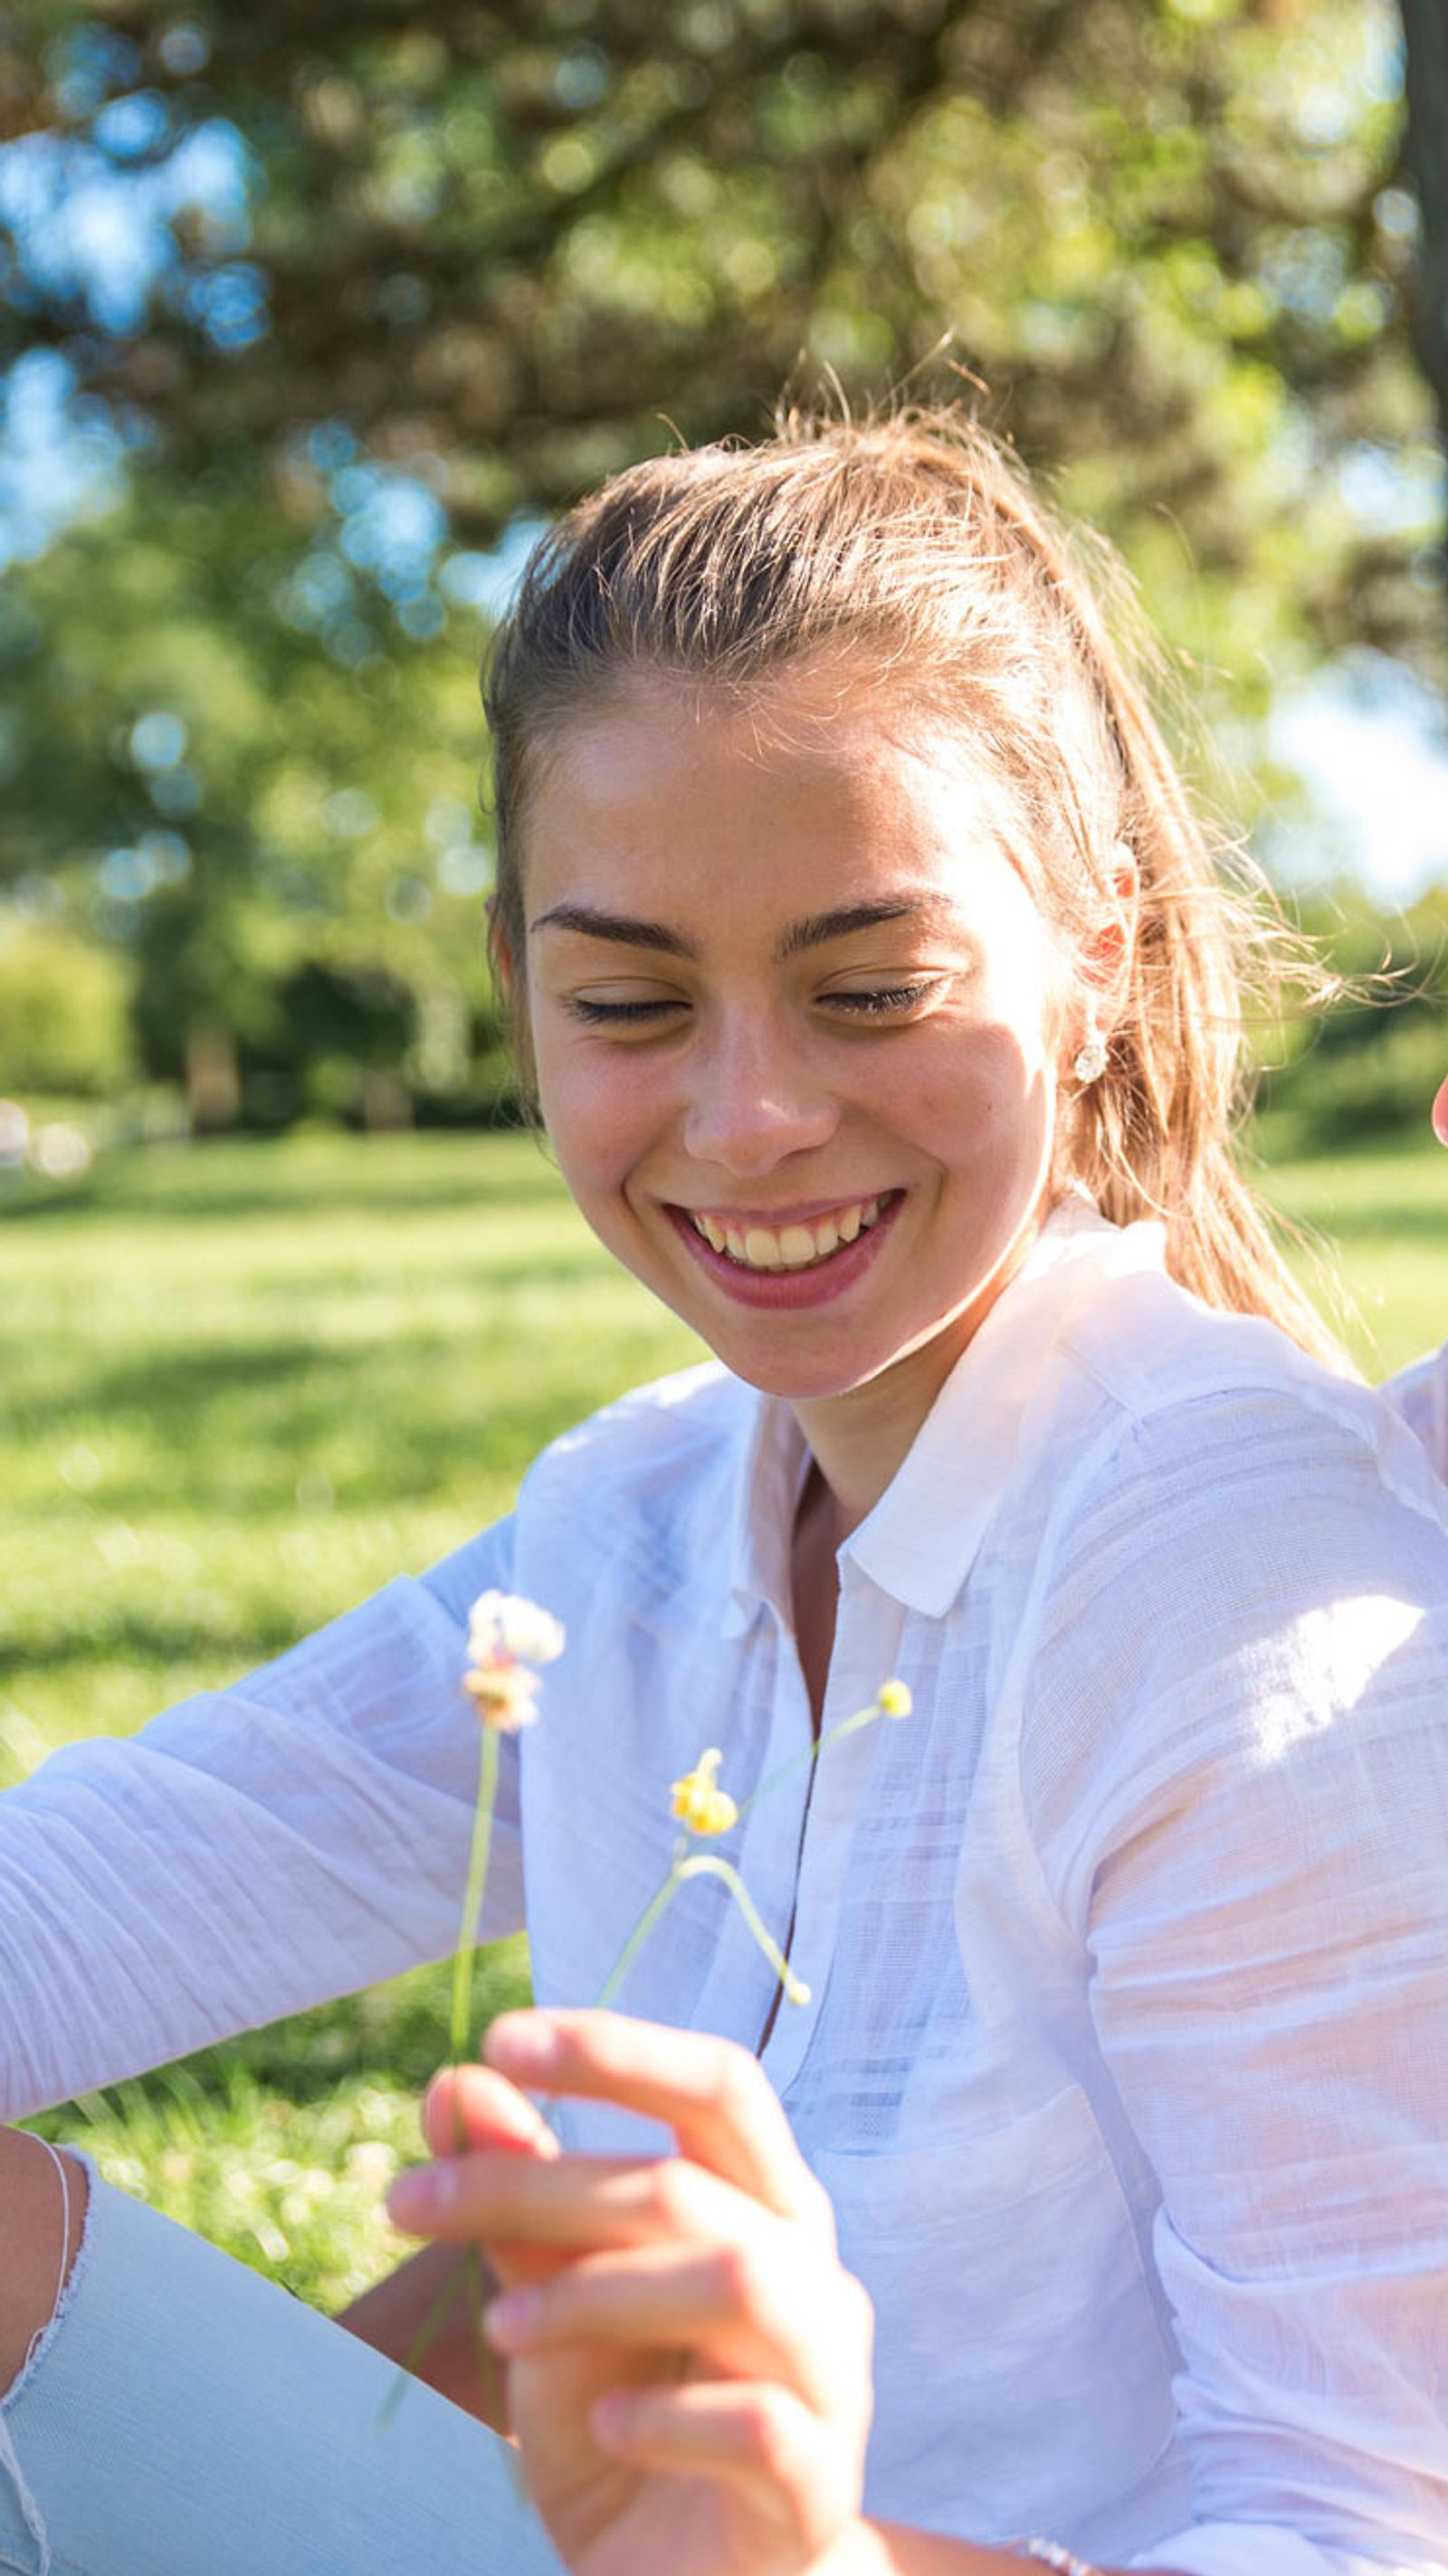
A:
[184,2417]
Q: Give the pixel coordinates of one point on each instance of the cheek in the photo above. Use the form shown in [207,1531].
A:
[991,1096]
[597,1115]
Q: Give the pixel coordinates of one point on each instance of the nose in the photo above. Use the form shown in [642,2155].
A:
[755,1101]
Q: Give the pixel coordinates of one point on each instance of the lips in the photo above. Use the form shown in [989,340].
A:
[800,1245]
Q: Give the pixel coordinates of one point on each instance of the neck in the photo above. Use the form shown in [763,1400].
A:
[860,1440]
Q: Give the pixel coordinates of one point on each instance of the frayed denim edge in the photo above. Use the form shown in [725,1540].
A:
[35,2360]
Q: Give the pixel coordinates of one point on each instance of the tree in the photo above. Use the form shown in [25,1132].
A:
[401,278]
[1425,28]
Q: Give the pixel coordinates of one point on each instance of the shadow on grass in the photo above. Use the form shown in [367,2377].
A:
[151,1644]
[325,1178]
[232,1430]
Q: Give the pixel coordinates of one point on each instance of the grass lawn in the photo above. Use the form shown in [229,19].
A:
[243,1386]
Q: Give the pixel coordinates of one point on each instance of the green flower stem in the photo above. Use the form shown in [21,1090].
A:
[452,2288]
[462,1980]
[640,1933]
[707,1865]
[812,1752]
[467,2279]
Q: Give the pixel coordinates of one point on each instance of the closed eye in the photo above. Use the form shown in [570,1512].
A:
[878,1000]
[619,1014]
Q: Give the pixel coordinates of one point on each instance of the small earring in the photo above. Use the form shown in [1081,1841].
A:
[1089,1063]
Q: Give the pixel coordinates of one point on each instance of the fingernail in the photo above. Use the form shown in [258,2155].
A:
[513,2317]
[422,2193]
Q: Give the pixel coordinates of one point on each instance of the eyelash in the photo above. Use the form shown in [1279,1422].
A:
[881,1001]
[603,1014]
[894,997]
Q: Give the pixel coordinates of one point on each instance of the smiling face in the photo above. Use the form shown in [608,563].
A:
[796,1021]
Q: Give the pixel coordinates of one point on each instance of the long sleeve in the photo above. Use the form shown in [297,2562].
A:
[253,1851]
[1244,1814]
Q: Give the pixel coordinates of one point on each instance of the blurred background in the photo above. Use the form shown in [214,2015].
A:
[314,312]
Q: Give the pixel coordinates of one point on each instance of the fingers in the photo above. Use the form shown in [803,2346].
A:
[710,2092]
[594,2201]
[758,2439]
[471,2107]
[468,2108]
[746,2310]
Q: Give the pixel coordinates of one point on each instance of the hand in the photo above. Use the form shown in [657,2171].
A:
[688,2364]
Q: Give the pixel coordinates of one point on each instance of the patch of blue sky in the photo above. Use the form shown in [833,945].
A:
[1369,744]
[393,528]
[60,460]
[86,62]
[489,581]
[1394,491]
[95,232]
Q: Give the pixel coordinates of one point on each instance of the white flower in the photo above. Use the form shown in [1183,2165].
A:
[504,1695]
[503,1628]
[507,1638]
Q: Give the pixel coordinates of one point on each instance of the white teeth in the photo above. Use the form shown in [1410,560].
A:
[790,1247]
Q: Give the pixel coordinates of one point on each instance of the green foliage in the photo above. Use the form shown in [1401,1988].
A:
[518,244]
[305,876]
[1370,1064]
[64,1015]
[467,261]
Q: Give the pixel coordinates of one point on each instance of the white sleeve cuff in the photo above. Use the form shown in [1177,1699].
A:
[1266,2549]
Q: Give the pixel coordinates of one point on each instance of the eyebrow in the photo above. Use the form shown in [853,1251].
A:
[928,907]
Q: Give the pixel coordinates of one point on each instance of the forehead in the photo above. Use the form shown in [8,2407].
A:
[817,770]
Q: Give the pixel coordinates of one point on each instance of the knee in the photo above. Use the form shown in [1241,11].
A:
[42,2216]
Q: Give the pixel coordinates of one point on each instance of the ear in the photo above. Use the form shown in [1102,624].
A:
[500,950]
[1105,958]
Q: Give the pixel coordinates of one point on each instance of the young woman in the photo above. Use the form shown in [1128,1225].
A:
[882,1011]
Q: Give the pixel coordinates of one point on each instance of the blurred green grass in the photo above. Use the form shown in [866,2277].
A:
[240,1387]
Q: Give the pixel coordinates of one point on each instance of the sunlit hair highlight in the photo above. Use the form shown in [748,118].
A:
[916,546]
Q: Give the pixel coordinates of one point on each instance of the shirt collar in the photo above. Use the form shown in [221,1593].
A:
[919,1542]
[766,1496]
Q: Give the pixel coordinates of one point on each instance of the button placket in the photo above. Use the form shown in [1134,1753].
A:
[866,1641]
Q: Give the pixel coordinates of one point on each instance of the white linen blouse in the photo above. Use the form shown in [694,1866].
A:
[1126,2064]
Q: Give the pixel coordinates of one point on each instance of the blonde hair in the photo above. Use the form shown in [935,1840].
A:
[917,542]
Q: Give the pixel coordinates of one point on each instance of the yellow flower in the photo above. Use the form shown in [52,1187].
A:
[894,1699]
[698,1801]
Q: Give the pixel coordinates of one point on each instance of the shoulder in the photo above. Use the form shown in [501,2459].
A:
[1218,1500]
[642,1494]
[1245,1588]
[674,1428]
[1209,1405]
[1420,1395]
